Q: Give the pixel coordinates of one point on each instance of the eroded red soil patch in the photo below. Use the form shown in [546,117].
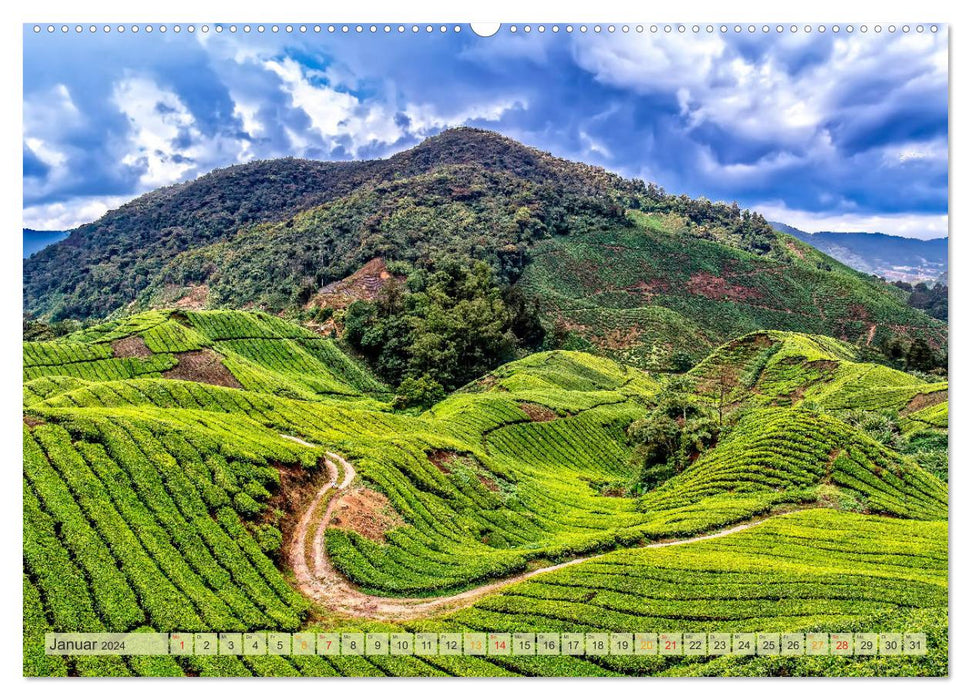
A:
[366,512]
[714,287]
[298,487]
[621,338]
[823,365]
[441,459]
[488,482]
[795,250]
[132,346]
[537,413]
[650,288]
[195,298]
[365,284]
[614,492]
[924,400]
[761,341]
[203,366]
[568,325]
[488,383]
[871,331]
[858,312]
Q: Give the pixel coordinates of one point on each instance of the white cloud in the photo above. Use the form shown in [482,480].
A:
[340,118]
[50,114]
[69,214]
[326,107]
[50,156]
[759,101]
[158,122]
[934,150]
[163,138]
[297,141]
[752,119]
[595,146]
[752,99]
[761,170]
[760,97]
[660,63]
[49,117]
[427,118]
[248,114]
[909,225]
[333,114]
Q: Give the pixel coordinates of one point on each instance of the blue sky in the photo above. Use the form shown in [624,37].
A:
[822,131]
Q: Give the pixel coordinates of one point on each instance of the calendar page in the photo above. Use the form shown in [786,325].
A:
[547,349]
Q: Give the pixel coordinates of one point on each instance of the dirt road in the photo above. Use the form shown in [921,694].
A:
[320,580]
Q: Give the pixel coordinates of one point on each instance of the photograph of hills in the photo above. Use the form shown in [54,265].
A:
[509,344]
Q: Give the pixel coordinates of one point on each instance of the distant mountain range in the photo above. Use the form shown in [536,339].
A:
[894,258]
[35,241]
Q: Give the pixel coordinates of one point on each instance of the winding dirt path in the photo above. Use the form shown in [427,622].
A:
[320,580]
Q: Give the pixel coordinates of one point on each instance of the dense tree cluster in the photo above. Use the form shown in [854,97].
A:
[679,426]
[911,355]
[442,328]
[931,299]
[35,329]
[929,447]
[715,221]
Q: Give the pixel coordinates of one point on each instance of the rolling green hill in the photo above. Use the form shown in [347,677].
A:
[614,265]
[641,293]
[254,351]
[807,571]
[169,455]
[796,369]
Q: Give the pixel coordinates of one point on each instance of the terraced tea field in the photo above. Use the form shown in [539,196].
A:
[638,294]
[229,471]
[795,369]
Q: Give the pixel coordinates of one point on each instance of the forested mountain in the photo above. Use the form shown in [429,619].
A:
[603,263]
[107,264]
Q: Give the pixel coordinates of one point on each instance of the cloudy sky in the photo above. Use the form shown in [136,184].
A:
[822,131]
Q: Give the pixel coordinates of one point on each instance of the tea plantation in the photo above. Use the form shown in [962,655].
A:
[168,456]
[641,293]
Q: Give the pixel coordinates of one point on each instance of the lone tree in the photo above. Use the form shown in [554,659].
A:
[720,386]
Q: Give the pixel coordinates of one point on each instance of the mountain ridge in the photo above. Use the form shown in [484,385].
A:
[274,234]
[171,220]
[895,258]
